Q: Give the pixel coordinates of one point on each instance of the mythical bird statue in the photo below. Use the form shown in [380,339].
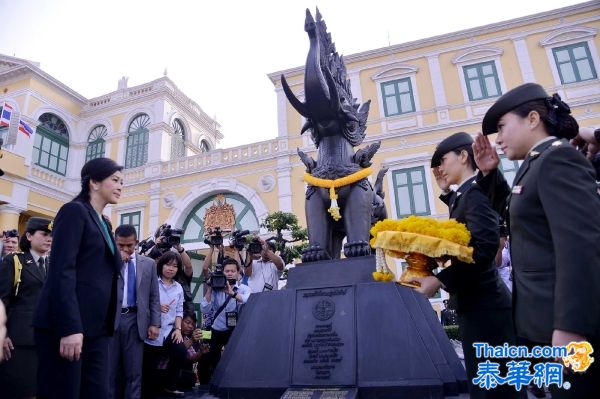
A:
[337,180]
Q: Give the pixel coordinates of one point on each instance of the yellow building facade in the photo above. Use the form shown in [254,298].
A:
[420,93]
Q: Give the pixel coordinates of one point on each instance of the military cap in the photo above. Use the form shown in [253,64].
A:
[510,100]
[35,224]
[457,140]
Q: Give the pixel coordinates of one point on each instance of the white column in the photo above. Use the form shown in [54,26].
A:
[439,92]
[354,77]
[154,208]
[281,112]
[284,184]
[524,60]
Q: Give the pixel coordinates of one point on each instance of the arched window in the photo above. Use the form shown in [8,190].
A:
[178,140]
[137,141]
[95,148]
[245,217]
[51,144]
[204,146]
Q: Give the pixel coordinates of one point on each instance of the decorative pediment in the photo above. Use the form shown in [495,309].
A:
[395,70]
[568,34]
[476,54]
[5,65]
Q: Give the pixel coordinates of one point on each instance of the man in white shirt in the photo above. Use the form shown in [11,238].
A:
[263,269]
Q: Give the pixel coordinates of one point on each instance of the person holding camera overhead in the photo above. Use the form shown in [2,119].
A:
[263,266]
[223,297]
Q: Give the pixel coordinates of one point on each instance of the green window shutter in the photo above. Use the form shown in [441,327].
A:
[51,144]
[410,192]
[136,153]
[508,168]
[397,97]
[574,63]
[482,81]
[134,219]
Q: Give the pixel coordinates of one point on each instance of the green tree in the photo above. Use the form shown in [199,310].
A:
[280,222]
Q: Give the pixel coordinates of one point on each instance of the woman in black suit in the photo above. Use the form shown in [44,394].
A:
[482,301]
[553,212]
[77,309]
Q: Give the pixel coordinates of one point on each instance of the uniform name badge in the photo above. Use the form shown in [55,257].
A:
[517,189]
[231,319]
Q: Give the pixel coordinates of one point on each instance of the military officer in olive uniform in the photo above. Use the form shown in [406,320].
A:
[553,212]
[22,276]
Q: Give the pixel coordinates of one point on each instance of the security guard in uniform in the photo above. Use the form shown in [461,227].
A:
[553,214]
[22,276]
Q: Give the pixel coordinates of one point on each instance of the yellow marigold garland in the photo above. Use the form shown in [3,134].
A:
[450,229]
[332,184]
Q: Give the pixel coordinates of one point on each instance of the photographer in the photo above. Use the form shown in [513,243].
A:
[169,239]
[223,299]
[263,268]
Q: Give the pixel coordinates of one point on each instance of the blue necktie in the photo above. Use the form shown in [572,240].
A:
[130,284]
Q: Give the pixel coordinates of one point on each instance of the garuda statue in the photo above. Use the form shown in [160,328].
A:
[340,201]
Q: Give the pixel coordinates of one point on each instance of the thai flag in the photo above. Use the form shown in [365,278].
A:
[25,128]
[5,115]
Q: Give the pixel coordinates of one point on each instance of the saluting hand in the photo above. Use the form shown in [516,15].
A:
[70,346]
[485,155]
[440,179]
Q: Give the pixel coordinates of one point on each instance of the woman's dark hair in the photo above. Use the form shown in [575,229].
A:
[554,114]
[96,169]
[168,257]
[24,243]
[471,157]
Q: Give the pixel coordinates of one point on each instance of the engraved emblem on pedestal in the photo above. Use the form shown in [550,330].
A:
[324,309]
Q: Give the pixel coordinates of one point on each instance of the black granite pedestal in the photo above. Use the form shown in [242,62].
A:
[334,327]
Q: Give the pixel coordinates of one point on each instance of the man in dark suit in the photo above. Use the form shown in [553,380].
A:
[140,316]
[77,308]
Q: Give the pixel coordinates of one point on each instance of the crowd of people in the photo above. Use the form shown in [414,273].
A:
[89,316]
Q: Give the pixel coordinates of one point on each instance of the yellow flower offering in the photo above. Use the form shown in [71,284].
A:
[419,240]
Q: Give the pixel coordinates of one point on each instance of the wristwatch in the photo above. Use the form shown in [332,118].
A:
[182,250]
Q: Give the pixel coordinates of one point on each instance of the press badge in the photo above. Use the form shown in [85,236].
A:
[231,319]
[517,189]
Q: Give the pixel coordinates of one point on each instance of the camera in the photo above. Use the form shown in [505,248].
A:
[214,237]
[217,279]
[172,236]
[145,245]
[255,247]
[238,239]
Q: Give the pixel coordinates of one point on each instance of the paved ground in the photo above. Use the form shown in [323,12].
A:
[202,392]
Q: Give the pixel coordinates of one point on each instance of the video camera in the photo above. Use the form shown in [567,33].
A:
[238,239]
[255,246]
[145,245]
[214,237]
[172,236]
[217,279]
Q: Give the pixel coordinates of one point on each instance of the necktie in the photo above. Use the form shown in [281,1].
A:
[42,266]
[130,284]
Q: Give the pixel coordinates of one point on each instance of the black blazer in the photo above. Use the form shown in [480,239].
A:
[20,307]
[554,226]
[80,295]
[475,286]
